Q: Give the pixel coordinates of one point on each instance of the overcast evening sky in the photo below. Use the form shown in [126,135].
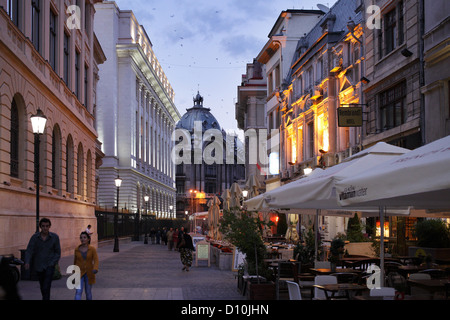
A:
[205,44]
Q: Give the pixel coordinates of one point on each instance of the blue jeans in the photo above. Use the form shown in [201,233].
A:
[84,283]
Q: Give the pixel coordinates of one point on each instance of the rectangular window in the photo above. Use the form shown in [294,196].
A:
[392,107]
[86,86]
[310,139]
[66,59]
[390,28]
[401,35]
[35,23]
[53,39]
[13,7]
[77,74]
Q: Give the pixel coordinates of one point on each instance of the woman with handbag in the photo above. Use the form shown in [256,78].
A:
[185,247]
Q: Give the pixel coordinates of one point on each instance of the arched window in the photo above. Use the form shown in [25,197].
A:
[56,158]
[80,170]
[69,164]
[89,175]
[14,151]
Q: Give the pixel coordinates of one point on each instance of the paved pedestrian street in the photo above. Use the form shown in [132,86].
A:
[144,272]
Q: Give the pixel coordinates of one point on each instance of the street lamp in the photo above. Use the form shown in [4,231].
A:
[171,211]
[38,122]
[118,182]
[146,198]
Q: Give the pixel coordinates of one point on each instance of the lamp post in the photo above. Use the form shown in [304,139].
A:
[146,218]
[171,211]
[38,122]
[118,182]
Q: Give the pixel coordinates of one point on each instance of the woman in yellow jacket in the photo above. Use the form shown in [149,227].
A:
[86,259]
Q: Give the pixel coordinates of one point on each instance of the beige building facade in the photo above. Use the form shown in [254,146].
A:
[49,63]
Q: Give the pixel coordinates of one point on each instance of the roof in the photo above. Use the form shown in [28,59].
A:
[198,113]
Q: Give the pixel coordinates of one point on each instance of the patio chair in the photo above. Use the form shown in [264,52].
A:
[420,292]
[328,279]
[294,291]
[387,293]
[285,272]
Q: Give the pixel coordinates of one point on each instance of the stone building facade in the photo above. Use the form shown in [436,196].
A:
[208,159]
[47,63]
[251,118]
[135,120]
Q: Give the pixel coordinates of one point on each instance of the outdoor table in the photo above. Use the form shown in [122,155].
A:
[334,288]
[325,271]
[431,285]
[406,270]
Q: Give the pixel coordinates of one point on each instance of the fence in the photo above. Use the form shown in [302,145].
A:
[129,224]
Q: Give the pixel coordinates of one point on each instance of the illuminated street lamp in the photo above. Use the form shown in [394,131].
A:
[146,198]
[38,122]
[118,182]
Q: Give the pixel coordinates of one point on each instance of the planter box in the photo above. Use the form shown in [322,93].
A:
[261,291]
[360,249]
[436,253]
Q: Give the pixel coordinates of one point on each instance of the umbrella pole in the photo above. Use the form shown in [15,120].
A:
[256,264]
[382,211]
[316,241]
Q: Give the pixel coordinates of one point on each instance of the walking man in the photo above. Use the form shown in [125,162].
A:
[43,252]
[169,236]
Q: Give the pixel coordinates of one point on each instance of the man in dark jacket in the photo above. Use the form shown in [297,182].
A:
[43,253]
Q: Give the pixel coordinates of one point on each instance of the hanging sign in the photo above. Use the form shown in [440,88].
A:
[350,116]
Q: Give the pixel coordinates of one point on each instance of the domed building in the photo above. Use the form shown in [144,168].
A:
[197,179]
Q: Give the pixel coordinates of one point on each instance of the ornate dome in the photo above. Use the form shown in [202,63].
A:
[198,113]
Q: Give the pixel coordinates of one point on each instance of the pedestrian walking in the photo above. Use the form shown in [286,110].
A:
[44,250]
[158,236]
[89,230]
[164,236]
[175,239]
[186,248]
[169,237]
[86,259]
[153,235]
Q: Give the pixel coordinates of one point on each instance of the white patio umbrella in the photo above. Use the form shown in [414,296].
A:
[226,196]
[213,216]
[291,233]
[317,191]
[236,194]
[419,178]
[253,186]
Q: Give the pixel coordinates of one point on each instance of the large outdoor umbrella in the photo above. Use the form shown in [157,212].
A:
[291,233]
[236,193]
[226,196]
[253,186]
[317,191]
[213,216]
[419,178]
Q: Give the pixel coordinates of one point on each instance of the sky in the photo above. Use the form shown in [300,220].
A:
[205,45]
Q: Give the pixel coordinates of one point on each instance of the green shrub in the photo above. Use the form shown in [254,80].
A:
[432,233]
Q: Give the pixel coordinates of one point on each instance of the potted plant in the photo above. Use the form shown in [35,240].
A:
[433,238]
[244,230]
[305,252]
[336,252]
